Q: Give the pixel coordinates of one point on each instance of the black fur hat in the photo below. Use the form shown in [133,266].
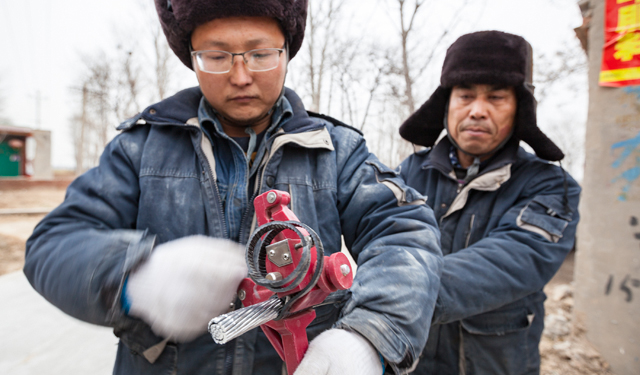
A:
[485,57]
[180,17]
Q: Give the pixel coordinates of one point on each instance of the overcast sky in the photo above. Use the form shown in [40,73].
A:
[42,42]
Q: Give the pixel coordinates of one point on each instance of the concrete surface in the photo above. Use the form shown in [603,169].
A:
[39,339]
[607,277]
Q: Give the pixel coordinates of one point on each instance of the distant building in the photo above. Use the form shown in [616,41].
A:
[25,152]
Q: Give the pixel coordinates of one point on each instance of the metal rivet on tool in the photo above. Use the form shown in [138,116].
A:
[345,269]
[242,294]
[285,257]
[271,197]
[272,253]
[274,276]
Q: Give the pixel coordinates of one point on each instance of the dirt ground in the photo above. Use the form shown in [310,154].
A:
[15,229]
[564,348]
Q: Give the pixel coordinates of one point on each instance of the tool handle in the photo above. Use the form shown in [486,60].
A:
[227,327]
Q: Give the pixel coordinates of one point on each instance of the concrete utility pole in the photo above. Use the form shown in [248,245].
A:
[607,291]
[79,144]
[38,108]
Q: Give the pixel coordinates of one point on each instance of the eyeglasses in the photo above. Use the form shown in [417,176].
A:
[220,62]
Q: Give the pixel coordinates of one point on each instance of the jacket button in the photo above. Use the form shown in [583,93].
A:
[152,111]
[270,181]
[444,205]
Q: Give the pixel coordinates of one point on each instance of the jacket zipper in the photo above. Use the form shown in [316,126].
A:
[228,357]
[260,175]
[291,201]
[466,243]
[256,191]
[213,180]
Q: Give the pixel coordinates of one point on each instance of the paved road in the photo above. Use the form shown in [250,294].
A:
[38,339]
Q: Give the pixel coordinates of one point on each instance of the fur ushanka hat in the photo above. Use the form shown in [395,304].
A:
[485,57]
[180,17]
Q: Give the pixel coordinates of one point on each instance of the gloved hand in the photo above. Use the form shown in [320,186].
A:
[339,352]
[184,284]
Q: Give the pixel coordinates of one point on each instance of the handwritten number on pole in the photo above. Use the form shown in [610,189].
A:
[625,288]
[609,284]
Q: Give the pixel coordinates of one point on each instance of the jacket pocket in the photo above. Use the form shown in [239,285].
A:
[499,343]
[545,215]
[390,178]
[498,322]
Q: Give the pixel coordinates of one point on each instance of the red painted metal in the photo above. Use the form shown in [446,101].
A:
[288,336]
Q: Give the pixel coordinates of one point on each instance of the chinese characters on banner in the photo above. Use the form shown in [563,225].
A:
[621,55]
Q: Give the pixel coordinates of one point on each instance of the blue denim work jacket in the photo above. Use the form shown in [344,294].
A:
[156,182]
[504,235]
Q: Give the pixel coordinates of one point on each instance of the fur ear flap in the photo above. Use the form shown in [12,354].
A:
[425,125]
[527,129]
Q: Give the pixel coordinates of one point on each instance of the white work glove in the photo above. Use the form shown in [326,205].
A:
[184,284]
[340,352]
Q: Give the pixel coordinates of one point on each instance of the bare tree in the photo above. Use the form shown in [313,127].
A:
[127,85]
[79,124]
[559,67]
[563,71]
[322,18]
[99,84]
[162,62]
[413,64]
[406,26]
[109,93]
[90,126]
[359,83]
[153,51]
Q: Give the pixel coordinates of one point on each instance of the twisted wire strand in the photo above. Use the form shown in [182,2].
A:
[227,327]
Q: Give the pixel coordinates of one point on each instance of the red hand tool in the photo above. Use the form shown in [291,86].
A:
[288,276]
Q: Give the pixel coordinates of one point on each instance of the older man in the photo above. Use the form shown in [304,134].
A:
[147,242]
[507,218]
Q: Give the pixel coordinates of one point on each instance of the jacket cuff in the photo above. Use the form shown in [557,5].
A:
[384,336]
[141,243]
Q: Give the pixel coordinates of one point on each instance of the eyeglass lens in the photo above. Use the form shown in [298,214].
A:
[222,61]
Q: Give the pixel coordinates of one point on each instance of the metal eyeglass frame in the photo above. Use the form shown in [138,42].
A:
[233,55]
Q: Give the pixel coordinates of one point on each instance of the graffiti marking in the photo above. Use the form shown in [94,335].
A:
[632,174]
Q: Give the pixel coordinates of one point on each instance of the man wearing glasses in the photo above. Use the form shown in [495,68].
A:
[147,242]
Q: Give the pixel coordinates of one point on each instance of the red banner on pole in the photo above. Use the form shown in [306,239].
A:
[621,54]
